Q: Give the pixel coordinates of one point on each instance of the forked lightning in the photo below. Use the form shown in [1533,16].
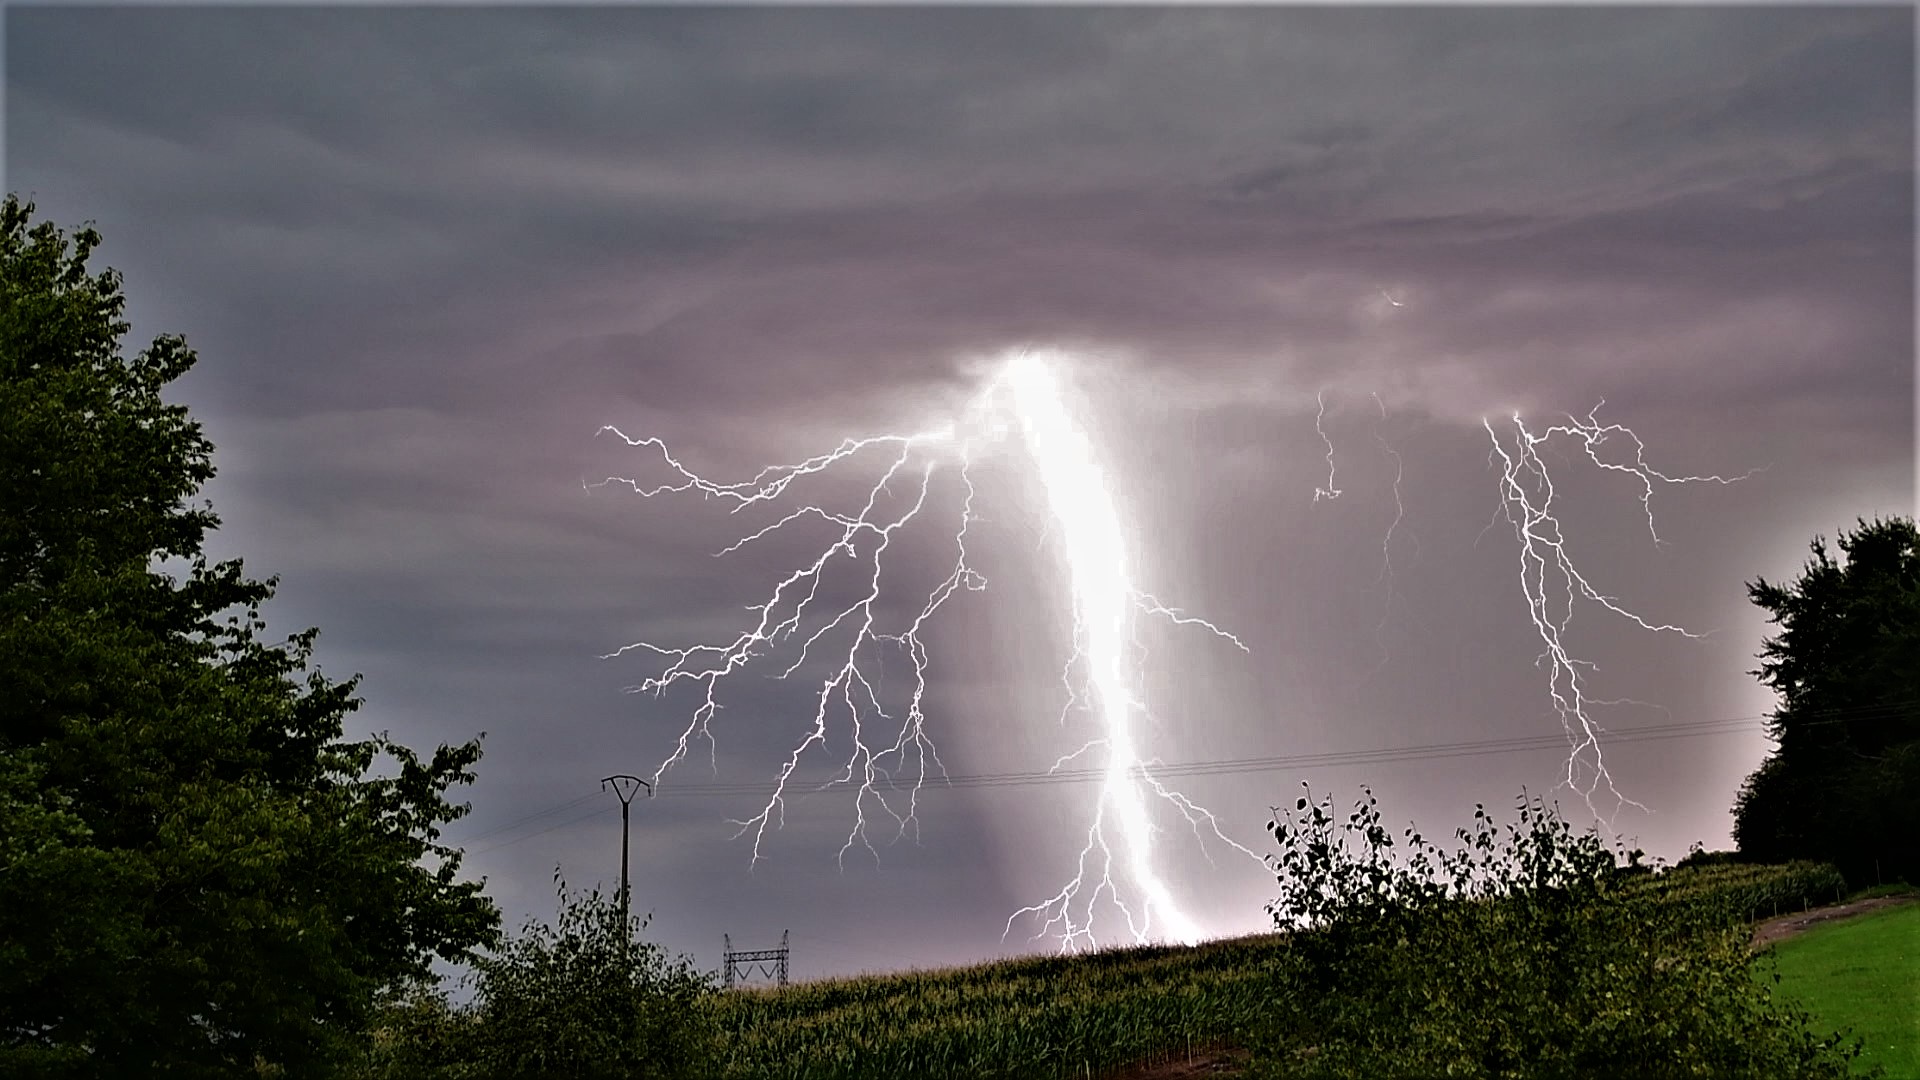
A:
[892,754]
[1526,497]
[1025,394]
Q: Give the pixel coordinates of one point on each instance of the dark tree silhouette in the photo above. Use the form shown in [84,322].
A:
[199,875]
[1843,784]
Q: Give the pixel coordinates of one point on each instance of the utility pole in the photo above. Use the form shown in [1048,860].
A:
[624,785]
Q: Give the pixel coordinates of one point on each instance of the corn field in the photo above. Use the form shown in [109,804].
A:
[1045,1017]
[1048,1018]
[1740,892]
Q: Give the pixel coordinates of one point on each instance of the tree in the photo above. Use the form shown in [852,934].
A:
[1843,784]
[199,873]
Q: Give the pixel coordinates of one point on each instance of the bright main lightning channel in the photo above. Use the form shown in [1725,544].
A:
[1023,393]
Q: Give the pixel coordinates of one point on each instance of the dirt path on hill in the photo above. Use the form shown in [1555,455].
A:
[1773,931]
[1222,1064]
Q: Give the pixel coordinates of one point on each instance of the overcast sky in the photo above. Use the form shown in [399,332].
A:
[426,254]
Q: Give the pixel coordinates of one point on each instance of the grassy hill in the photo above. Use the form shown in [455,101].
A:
[1862,975]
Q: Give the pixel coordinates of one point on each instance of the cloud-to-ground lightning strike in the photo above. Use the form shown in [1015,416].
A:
[1319,425]
[1526,497]
[1105,602]
[1386,541]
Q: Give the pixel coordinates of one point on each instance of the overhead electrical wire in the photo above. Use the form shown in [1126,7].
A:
[1227,766]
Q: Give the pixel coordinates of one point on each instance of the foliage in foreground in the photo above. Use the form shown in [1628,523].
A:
[1044,1018]
[583,999]
[1528,951]
[1061,1016]
[199,874]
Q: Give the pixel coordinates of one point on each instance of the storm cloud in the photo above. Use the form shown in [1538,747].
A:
[426,253]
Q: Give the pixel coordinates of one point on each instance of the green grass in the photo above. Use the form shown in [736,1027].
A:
[1862,974]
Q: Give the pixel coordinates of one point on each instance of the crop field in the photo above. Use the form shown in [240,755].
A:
[1057,1016]
[1082,1016]
[1748,893]
[1862,974]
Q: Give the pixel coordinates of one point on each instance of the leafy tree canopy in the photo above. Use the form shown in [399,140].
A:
[199,873]
[1844,783]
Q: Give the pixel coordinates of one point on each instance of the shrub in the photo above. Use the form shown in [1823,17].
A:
[418,1035]
[582,999]
[587,998]
[1524,952]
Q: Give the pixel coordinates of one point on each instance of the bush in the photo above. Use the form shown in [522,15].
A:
[586,998]
[418,1035]
[1528,951]
[583,999]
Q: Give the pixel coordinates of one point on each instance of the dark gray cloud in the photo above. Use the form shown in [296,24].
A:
[426,252]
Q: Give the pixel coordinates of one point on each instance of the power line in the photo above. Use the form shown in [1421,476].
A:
[1382,755]
[1229,766]
[595,812]
[529,819]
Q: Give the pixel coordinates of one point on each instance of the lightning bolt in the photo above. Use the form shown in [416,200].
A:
[1104,603]
[1386,541]
[1319,425]
[1526,498]
[864,536]
[1105,600]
